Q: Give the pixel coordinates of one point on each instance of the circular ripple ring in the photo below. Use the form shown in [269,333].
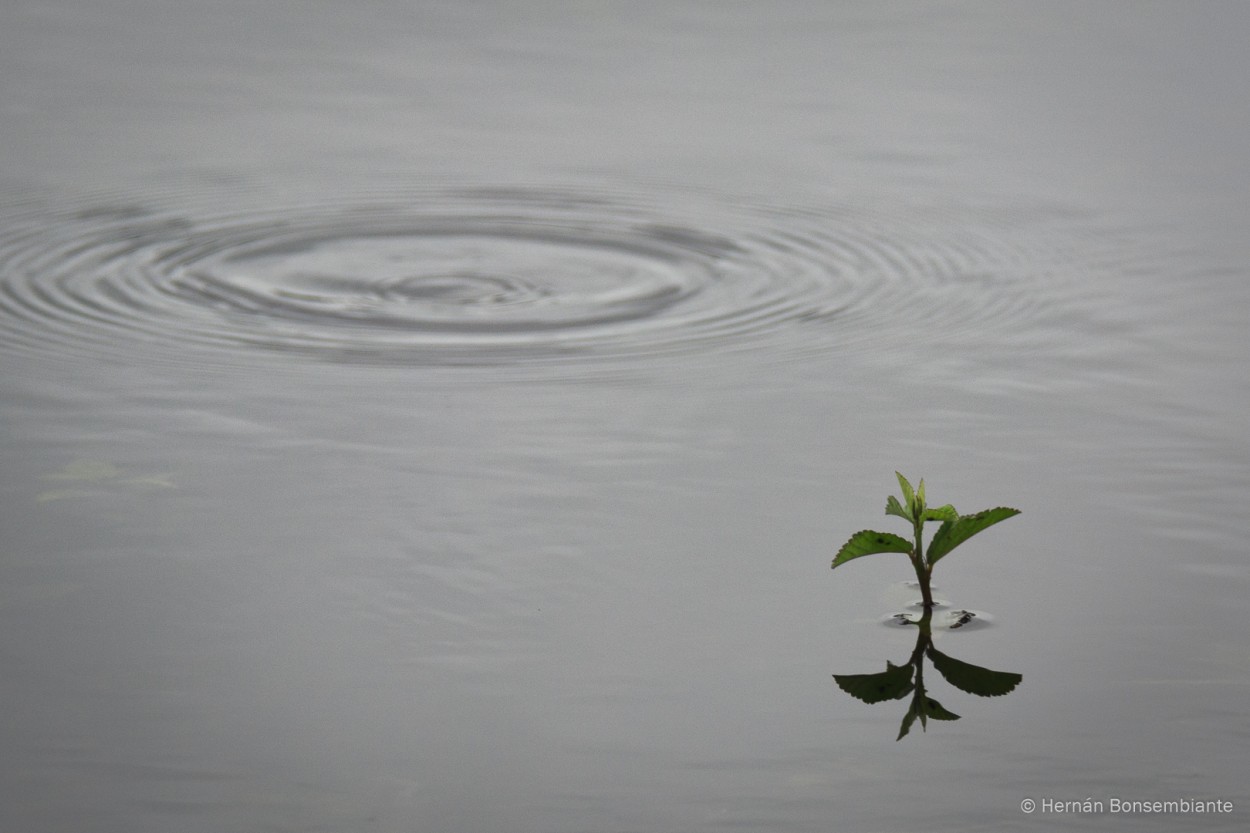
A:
[490,277]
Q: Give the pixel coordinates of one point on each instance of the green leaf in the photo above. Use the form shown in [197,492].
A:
[893,507]
[868,542]
[953,533]
[892,684]
[941,513]
[920,504]
[973,678]
[909,497]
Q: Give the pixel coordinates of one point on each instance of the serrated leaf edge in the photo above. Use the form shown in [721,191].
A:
[938,544]
[882,538]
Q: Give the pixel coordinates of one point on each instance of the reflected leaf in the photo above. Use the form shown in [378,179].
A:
[60,494]
[908,719]
[87,478]
[932,708]
[85,471]
[161,481]
[924,708]
[973,678]
[892,684]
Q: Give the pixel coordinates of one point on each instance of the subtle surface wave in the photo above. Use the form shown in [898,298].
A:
[505,275]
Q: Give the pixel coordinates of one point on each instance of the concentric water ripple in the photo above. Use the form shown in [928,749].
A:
[487,277]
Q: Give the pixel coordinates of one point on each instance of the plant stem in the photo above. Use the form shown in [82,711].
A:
[922,570]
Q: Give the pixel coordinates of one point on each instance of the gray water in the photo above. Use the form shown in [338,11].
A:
[441,417]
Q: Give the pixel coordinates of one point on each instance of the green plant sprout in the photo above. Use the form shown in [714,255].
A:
[955,529]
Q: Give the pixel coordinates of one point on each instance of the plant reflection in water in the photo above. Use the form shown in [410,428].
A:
[898,681]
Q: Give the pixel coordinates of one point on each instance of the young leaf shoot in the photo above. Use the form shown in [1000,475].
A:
[954,530]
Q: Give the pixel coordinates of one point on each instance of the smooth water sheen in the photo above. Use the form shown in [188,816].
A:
[442,417]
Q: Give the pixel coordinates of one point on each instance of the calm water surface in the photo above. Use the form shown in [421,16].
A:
[433,417]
